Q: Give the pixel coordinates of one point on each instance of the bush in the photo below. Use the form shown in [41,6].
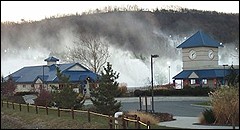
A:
[44,98]
[123,90]
[198,91]
[138,93]
[187,87]
[145,117]
[16,99]
[8,87]
[225,103]
[25,93]
[209,116]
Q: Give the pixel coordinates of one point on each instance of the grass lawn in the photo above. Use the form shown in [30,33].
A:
[16,119]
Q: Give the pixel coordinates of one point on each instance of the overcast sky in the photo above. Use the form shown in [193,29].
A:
[37,10]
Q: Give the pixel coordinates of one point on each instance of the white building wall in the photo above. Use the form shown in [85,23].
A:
[23,88]
[36,87]
[50,63]
[77,68]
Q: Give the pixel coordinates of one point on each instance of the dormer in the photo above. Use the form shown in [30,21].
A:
[51,60]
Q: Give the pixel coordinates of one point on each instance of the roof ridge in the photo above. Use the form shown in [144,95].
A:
[202,39]
[47,65]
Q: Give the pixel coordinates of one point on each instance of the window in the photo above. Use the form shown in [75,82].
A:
[24,86]
[40,86]
[193,81]
[204,81]
[61,86]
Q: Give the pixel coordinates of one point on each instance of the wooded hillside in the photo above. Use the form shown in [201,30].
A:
[142,32]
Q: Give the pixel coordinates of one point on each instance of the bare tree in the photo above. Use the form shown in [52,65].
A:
[91,51]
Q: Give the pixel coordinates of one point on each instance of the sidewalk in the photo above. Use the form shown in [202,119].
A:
[189,122]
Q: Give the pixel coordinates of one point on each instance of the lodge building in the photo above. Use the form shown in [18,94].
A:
[33,78]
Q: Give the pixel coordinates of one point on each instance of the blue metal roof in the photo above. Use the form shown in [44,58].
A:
[199,39]
[41,77]
[51,58]
[80,75]
[210,73]
[32,73]
[182,75]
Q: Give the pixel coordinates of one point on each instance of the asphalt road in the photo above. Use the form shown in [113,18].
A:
[178,106]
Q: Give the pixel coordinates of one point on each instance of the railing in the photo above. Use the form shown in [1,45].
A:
[125,119]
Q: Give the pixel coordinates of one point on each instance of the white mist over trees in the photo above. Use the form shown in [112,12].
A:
[90,51]
[132,37]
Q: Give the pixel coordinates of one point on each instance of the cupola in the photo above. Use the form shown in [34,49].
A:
[51,60]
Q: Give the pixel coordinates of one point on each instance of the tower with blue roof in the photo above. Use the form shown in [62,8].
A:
[200,51]
[51,60]
[200,62]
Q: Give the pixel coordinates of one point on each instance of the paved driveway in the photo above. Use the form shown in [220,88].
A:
[178,106]
[182,108]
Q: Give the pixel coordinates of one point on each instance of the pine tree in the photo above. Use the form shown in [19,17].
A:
[66,97]
[63,79]
[103,96]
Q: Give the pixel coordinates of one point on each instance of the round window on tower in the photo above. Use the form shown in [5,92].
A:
[210,54]
[192,54]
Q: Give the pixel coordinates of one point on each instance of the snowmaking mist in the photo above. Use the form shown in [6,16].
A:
[131,40]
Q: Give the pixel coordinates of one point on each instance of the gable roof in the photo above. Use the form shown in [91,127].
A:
[48,73]
[193,75]
[200,39]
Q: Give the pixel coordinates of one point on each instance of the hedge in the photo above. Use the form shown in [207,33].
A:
[175,92]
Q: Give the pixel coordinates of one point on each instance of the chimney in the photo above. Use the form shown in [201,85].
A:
[51,60]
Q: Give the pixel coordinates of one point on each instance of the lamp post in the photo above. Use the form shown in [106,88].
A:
[168,72]
[152,56]
[43,77]
[224,74]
